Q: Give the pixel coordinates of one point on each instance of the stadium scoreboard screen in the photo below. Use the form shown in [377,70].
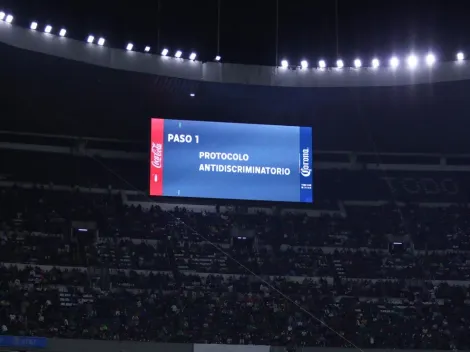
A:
[231,161]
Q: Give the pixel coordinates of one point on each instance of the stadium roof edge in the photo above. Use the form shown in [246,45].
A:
[228,73]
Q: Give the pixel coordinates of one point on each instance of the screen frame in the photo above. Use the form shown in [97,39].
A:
[226,201]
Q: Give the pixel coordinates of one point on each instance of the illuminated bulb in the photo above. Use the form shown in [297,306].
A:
[412,61]
[430,59]
[394,62]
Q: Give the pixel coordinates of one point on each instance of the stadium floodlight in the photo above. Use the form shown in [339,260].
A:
[9,19]
[375,63]
[284,63]
[394,62]
[129,47]
[63,32]
[340,64]
[90,39]
[430,59]
[192,56]
[460,56]
[48,29]
[147,49]
[357,63]
[412,61]
[218,58]
[101,41]
[2,15]
[164,52]
[178,54]
[34,25]
[304,64]
[322,64]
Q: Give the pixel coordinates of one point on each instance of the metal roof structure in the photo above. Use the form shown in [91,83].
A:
[57,85]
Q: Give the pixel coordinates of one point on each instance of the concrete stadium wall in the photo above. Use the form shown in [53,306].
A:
[228,73]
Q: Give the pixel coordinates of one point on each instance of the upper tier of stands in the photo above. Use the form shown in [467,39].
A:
[105,263]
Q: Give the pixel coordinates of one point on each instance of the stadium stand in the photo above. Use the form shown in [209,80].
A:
[141,273]
[379,261]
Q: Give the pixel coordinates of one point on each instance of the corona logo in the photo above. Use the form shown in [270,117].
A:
[305,170]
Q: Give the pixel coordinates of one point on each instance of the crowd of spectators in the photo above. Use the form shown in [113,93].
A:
[145,274]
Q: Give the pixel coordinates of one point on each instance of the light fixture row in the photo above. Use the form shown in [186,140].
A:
[129,47]
[48,29]
[8,18]
[412,61]
[99,41]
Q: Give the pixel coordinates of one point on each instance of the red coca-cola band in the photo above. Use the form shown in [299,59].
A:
[156,156]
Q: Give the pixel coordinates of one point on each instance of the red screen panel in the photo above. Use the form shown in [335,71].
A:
[156,156]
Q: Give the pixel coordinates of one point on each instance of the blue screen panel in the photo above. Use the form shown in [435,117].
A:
[231,161]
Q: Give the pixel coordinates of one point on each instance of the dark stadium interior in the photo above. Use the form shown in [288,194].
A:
[49,94]
[88,261]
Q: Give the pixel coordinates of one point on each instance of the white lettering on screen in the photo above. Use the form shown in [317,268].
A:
[238,169]
[182,138]
[224,156]
[245,169]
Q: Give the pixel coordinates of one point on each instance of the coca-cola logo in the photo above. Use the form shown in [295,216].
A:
[157,155]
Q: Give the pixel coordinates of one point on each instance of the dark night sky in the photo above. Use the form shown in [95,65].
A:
[247,33]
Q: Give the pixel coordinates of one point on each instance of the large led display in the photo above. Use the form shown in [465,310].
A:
[231,161]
